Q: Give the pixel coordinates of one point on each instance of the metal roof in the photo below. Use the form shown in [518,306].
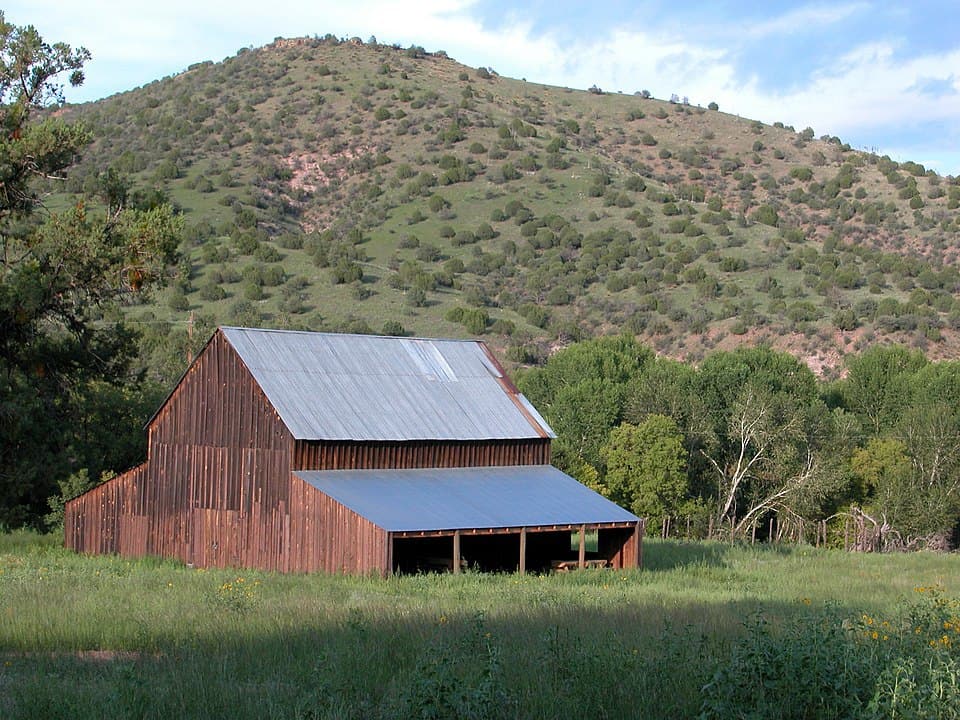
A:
[462,498]
[365,387]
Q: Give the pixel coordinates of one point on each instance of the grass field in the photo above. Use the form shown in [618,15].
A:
[96,637]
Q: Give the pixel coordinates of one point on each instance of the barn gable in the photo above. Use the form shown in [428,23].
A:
[276,448]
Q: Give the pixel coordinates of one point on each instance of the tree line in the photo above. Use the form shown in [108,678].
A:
[751,436]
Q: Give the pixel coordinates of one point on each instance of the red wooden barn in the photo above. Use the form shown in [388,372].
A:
[300,451]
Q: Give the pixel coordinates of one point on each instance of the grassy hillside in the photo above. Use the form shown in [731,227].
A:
[337,185]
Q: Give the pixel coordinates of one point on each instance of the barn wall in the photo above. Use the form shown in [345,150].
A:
[97,522]
[319,455]
[327,536]
[218,404]
[216,488]
[623,546]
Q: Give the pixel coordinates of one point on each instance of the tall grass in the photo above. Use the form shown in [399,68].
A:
[151,638]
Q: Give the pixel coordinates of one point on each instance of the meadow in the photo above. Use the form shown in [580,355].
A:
[704,630]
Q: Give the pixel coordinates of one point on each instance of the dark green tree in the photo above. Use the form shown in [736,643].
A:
[62,277]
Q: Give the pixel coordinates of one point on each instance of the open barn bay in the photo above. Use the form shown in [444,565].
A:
[703,630]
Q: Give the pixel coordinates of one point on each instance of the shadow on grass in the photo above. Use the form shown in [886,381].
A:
[671,554]
[540,660]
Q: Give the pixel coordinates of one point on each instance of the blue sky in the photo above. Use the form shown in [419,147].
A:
[883,76]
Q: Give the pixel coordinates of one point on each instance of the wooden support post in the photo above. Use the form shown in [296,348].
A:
[523,550]
[582,558]
[388,570]
[456,551]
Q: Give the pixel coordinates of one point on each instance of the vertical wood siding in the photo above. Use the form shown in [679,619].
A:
[99,521]
[215,490]
[623,546]
[219,469]
[323,455]
[327,536]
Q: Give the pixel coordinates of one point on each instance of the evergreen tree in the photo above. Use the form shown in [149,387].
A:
[61,278]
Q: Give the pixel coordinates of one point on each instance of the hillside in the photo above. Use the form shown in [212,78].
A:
[349,186]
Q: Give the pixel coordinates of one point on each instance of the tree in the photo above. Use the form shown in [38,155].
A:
[616,359]
[61,279]
[667,387]
[931,505]
[898,499]
[646,467]
[878,384]
[763,452]
[724,375]
[582,415]
[767,215]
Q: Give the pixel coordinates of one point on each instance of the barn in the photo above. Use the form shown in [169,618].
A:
[302,452]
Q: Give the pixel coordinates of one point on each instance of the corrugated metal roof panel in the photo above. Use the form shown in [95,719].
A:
[463,498]
[365,387]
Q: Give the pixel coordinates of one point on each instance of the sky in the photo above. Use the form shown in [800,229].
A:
[881,76]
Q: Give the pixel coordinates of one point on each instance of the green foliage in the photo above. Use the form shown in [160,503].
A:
[447,686]
[809,670]
[345,272]
[646,467]
[823,665]
[58,279]
[475,320]
[767,215]
[877,385]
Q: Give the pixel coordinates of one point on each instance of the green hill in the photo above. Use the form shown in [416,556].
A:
[342,186]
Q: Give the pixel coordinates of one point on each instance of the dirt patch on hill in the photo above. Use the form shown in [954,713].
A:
[320,169]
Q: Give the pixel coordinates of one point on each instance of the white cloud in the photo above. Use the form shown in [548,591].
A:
[869,89]
[803,19]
